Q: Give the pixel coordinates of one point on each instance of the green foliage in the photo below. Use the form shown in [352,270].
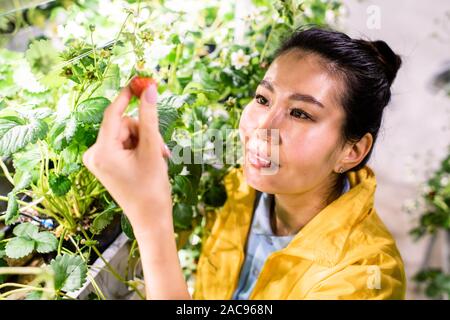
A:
[437,283]
[28,238]
[52,103]
[70,272]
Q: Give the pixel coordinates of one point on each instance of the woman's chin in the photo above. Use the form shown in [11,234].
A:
[261,179]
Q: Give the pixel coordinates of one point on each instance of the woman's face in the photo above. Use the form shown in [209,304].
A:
[293,125]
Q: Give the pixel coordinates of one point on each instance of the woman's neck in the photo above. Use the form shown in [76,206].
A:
[290,212]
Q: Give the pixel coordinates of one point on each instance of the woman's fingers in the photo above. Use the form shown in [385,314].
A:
[129,132]
[112,118]
[149,135]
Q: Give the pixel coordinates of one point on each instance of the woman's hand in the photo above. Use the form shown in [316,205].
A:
[128,159]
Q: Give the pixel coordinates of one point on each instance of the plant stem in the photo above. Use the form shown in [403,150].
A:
[61,239]
[263,53]
[6,171]
[111,269]
[173,82]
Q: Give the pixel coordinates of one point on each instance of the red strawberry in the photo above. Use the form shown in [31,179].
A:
[139,84]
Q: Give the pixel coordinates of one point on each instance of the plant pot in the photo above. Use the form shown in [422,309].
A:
[117,256]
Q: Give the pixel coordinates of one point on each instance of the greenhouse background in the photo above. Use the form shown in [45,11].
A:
[63,61]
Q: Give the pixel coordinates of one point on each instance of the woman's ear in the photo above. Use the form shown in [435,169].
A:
[355,153]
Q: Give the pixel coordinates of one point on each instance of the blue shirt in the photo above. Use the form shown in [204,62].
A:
[261,243]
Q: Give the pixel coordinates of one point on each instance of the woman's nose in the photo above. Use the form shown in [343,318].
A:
[269,127]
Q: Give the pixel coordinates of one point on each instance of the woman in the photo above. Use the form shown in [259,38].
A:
[299,221]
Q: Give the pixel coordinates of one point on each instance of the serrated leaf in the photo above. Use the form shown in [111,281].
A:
[18,135]
[45,242]
[27,160]
[59,184]
[183,187]
[22,180]
[62,133]
[90,111]
[103,219]
[70,157]
[19,247]
[167,116]
[70,272]
[26,230]
[126,227]
[12,210]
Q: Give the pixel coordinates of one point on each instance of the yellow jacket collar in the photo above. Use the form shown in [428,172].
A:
[323,238]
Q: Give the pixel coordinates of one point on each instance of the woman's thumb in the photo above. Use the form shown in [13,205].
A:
[148,116]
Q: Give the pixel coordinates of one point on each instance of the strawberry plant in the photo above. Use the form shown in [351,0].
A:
[52,99]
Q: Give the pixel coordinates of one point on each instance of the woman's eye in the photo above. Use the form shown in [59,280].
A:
[260,99]
[297,113]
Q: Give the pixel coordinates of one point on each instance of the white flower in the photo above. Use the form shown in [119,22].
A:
[445,180]
[195,239]
[239,59]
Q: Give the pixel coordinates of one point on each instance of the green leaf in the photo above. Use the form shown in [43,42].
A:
[27,160]
[46,242]
[70,272]
[126,227]
[103,219]
[70,157]
[182,215]
[185,190]
[12,210]
[19,247]
[26,230]
[59,184]
[22,180]
[90,111]
[62,133]
[16,135]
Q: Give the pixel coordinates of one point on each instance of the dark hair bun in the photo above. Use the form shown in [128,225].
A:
[390,61]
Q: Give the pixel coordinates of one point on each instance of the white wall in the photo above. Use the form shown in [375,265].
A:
[412,141]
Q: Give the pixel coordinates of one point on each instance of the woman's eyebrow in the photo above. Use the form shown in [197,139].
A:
[295,96]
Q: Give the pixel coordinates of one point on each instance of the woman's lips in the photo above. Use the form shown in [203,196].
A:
[258,161]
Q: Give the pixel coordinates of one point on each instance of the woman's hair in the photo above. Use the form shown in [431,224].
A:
[367,68]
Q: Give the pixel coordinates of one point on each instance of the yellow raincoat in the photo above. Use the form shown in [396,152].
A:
[344,252]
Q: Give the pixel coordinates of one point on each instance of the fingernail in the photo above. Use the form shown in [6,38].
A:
[151,94]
